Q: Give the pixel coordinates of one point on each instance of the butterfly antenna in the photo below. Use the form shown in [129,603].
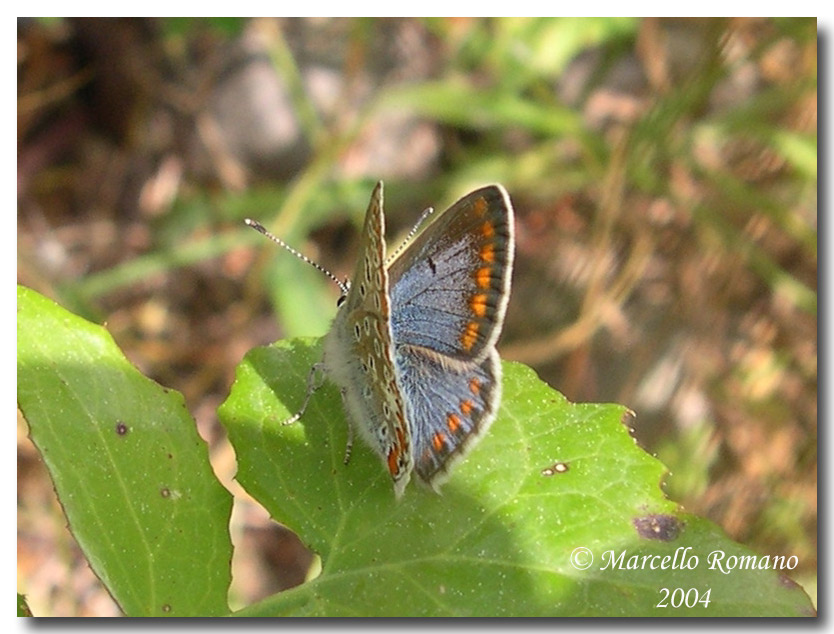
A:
[257,226]
[393,256]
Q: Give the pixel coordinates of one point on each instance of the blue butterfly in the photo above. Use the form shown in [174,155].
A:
[412,347]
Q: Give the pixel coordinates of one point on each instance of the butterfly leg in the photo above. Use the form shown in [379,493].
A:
[312,386]
[349,445]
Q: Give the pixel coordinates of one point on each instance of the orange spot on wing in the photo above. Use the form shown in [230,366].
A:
[478,304]
[393,458]
[438,441]
[482,276]
[488,230]
[475,386]
[470,335]
[480,206]
[488,253]
[452,422]
[466,407]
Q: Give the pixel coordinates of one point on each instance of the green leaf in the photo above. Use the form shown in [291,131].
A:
[22,606]
[456,103]
[130,470]
[548,478]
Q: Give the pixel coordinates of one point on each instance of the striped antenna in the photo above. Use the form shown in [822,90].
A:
[257,226]
[393,256]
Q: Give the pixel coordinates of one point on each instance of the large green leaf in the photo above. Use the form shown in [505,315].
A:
[130,470]
[550,477]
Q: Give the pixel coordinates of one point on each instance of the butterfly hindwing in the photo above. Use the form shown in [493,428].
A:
[450,406]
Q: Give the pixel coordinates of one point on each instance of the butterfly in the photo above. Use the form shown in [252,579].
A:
[412,346]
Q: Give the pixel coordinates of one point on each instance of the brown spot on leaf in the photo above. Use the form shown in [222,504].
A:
[658,526]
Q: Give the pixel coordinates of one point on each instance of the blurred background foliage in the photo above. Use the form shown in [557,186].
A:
[664,174]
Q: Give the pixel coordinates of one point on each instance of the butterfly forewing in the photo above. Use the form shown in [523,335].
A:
[449,288]
[359,354]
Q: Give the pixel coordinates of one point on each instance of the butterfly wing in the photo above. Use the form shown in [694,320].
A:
[451,405]
[359,354]
[449,292]
[450,287]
